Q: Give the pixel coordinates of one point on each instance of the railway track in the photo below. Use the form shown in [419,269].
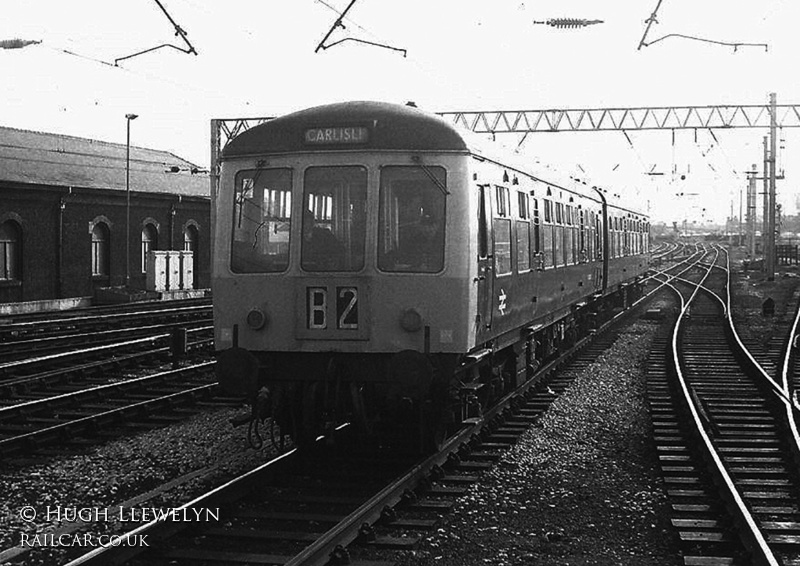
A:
[768,348]
[61,395]
[70,416]
[728,465]
[46,338]
[51,323]
[313,508]
[36,378]
[341,503]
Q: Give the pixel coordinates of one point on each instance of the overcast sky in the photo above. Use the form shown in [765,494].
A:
[257,58]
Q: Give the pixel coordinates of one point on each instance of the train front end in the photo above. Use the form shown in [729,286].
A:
[342,282]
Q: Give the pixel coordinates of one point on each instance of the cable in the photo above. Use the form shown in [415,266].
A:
[736,45]
[338,23]
[179,31]
[652,19]
[333,9]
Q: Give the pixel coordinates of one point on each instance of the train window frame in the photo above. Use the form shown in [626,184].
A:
[503,260]
[589,240]
[558,246]
[523,245]
[502,202]
[597,232]
[537,258]
[569,245]
[523,206]
[613,238]
[548,246]
[245,256]
[421,250]
[483,223]
[335,230]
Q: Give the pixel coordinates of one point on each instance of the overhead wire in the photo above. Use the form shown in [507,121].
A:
[148,75]
[349,20]
[421,66]
[653,20]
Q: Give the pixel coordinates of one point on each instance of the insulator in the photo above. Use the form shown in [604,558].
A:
[565,23]
[571,22]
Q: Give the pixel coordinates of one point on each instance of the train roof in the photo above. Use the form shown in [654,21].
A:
[358,125]
[349,125]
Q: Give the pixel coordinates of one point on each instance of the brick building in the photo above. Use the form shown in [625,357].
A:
[63,210]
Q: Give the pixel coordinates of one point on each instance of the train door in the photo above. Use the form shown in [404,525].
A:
[499,218]
[485,276]
[606,244]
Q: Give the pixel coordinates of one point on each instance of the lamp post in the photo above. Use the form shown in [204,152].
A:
[128,118]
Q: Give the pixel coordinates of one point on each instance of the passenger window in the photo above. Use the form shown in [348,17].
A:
[522,206]
[598,238]
[558,245]
[547,245]
[483,244]
[523,247]
[502,246]
[501,201]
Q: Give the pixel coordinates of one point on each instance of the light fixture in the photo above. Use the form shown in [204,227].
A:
[128,118]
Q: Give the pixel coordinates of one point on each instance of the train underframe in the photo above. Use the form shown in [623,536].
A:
[408,398]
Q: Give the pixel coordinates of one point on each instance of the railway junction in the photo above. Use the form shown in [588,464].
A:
[368,318]
[594,464]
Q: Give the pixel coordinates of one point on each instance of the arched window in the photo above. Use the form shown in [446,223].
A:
[149,243]
[100,249]
[190,236]
[10,251]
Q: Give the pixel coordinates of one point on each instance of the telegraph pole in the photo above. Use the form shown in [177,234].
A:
[769,259]
[765,215]
[739,241]
[751,212]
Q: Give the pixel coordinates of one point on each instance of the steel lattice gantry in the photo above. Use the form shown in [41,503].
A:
[608,119]
[770,116]
[577,120]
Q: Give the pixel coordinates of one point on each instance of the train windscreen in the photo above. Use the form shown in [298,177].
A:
[411,219]
[261,221]
[334,219]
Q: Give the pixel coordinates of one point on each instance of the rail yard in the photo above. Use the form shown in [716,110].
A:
[612,449]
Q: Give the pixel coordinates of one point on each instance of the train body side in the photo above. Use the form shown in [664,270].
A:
[471,302]
[505,269]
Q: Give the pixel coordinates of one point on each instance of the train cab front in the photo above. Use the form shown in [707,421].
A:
[331,294]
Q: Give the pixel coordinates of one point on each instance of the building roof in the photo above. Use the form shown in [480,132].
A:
[40,158]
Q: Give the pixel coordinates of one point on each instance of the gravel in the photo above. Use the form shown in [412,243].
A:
[195,455]
[581,488]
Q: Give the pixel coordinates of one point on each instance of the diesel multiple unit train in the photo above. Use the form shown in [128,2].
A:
[372,265]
